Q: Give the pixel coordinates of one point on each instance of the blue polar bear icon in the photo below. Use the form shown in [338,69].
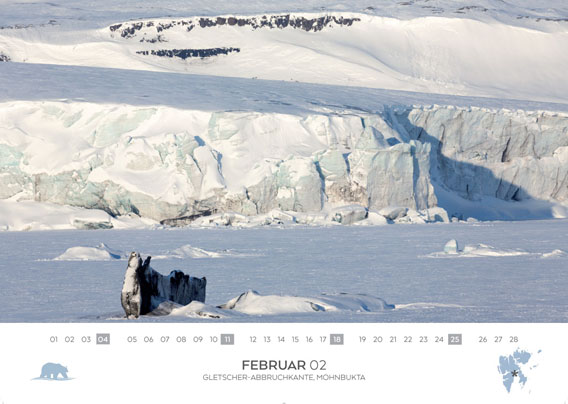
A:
[52,371]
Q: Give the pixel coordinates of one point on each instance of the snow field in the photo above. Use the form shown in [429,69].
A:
[432,54]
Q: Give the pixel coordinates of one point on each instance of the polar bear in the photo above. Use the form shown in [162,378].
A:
[144,289]
[52,370]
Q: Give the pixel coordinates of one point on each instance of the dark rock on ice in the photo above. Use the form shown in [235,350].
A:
[144,289]
[185,220]
[91,225]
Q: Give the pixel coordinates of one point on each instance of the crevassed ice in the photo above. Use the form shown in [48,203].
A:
[164,163]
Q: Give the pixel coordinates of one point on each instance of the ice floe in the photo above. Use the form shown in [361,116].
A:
[253,303]
[484,250]
[102,252]
[452,250]
[194,309]
[189,251]
[555,254]
[99,253]
[476,251]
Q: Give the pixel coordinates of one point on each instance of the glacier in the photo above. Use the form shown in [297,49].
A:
[247,115]
[170,164]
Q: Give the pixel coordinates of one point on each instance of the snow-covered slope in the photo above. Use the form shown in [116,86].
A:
[474,54]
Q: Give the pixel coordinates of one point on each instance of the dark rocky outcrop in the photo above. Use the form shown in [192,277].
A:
[158,38]
[279,21]
[129,30]
[189,53]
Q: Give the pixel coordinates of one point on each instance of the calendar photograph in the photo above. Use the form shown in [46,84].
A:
[283,162]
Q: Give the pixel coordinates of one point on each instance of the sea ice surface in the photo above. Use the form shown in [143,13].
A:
[383,262]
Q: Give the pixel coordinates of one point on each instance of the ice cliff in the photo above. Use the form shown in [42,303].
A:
[165,163]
